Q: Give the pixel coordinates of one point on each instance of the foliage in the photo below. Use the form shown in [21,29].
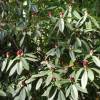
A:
[49,50]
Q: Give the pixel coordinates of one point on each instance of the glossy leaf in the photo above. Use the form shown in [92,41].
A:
[13,70]
[96,60]
[61,95]
[39,83]
[25,63]
[74,92]
[84,79]
[61,24]
[90,74]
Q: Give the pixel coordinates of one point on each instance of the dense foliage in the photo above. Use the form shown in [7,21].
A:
[49,50]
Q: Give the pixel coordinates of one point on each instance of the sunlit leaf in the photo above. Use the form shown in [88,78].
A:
[84,79]
[39,83]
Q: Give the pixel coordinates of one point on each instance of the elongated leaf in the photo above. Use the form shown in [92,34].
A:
[52,97]
[48,80]
[20,67]
[84,79]
[31,59]
[81,21]
[72,55]
[25,63]
[17,98]
[51,52]
[94,22]
[88,25]
[46,93]
[16,92]
[85,46]
[76,14]
[68,91]
[10,64]
[39,83]
[2,93]
[74,93]
[78,74]
[96,60]
[90,74]
[30,55]
[78,42]
[61,24]
[96,70]
[61,96]
[80,88]
[57,52]
[27,92]
[22,94]
[4,65]
[13,70]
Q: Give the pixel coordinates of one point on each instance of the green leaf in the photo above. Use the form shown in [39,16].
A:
[51,52]
[80,88]
[13,70]
[17,98]
[94,22]
[76,14]
[61,96]
[82,20]
[31,59]
[85,46]
[57,52]
[61,24]
[16,91]
[89,25]
[74,92]
[28,93]
[84,79]
[29,80]
[2,93]
[52,97]
[78,73]
[39,83]
[25,63]
[90,74]
[49,79]
[10,64]
[46,93]
[72,55]
[78,42]
[4,65]
[96,70]
[30,55]
[68,91]
[20,67]
[96,60]
[22,94]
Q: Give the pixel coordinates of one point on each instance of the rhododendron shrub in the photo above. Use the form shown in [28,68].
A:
[49,50]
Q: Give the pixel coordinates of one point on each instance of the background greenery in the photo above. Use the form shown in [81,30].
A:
[49,49]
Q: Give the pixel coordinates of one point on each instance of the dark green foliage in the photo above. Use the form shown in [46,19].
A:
[49,49]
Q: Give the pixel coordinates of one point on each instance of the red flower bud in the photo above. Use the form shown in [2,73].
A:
[85,62]
[49,14]
[72,78]
[20,53]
